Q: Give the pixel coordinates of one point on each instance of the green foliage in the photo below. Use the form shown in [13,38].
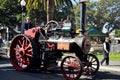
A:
[77,17]
[36,15]
[102,11]
[9,10]
[98,13]
[117,33]
[48,6]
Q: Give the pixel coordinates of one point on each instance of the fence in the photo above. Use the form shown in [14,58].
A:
[115,48]
[99,47]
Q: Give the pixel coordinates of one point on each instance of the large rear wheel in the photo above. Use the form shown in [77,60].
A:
[24,53]
[71,68]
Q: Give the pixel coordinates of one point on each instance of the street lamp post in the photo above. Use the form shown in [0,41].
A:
[23,3]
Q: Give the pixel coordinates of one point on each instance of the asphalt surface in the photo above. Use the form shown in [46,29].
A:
[110,72]
[113,66]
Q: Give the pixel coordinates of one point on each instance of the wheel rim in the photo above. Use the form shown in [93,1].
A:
[71,68]
[92,65]
[21,52]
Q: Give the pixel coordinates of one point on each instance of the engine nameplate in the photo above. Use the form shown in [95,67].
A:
[63,46]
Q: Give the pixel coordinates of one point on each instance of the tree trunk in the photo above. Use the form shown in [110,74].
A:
[50,10]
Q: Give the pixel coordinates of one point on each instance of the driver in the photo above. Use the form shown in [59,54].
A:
[28,24]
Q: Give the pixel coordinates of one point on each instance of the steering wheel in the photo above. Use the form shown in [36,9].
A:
[51,25]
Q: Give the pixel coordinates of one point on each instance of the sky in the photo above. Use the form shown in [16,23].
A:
[74,1]
[79,0]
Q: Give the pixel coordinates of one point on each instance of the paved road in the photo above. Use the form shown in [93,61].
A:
[113,66]
[7,72]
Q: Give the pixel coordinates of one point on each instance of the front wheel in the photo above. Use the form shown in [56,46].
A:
[92,65]
[71,68]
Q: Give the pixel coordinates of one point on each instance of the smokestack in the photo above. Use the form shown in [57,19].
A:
[82,16]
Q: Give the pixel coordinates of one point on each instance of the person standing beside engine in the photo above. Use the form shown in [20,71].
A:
[106,50]
[28,24]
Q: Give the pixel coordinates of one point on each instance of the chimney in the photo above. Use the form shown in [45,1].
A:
[82,16]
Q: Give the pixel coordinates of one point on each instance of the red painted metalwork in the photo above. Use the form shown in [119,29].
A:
[51,46]
[71,68]
[31,32]
[21,52]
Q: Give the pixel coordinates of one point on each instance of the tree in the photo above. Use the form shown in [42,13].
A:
[77,16]
[98,13]
[9,12]
[48,5]
[117,33]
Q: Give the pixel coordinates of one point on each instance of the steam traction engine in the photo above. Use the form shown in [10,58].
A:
[35,49]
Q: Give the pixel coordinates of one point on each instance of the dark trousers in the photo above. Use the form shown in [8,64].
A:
[106,58]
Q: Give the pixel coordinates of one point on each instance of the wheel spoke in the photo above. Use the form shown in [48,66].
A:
[30,50]
[28,46]
[16,49]
[23,45]
[94,64]
[29,55]
[91,59]
[19,43]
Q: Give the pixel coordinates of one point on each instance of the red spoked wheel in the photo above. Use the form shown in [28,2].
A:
[71,68]
[92,66]
[21,53]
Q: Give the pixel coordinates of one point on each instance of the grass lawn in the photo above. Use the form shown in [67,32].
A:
[112,56]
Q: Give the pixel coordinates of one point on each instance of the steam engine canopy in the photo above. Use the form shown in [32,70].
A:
[84,43]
